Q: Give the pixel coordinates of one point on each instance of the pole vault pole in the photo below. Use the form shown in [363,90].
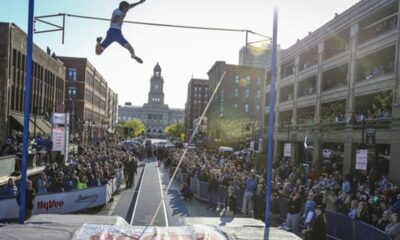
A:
[27,108]
[271,124]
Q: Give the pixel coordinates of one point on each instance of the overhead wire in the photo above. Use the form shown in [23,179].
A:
[168,25]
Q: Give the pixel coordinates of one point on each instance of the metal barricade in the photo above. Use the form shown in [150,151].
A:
[339,226]
[364,231]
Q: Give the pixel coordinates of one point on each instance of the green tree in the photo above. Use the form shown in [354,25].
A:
[174,130]
[135,126]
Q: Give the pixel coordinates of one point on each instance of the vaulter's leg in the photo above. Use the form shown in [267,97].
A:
[132,52]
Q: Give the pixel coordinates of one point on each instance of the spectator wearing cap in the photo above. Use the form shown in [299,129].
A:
[251,185]
[317,231]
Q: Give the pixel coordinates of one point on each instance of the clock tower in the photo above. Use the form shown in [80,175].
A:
[156,94]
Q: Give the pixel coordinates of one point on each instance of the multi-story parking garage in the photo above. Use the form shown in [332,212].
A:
[339,87]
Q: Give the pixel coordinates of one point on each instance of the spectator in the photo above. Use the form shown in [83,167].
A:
[9,190]
[29,198]
[293,216]
[353,209]
[396,206]
[251,185]
[186,192]
[59,184]
[8,148]
[317,231]
[309,206]
[384,221]
[346,186]
[393,229]
[230,202]
[329,200]
[82,182]
[213,191]
[259,203]
[72,181]
[42,183]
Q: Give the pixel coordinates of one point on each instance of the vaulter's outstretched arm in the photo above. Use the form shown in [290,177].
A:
[135,4]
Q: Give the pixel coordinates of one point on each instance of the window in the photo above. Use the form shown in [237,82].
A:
[195,89]
[237,78]
[259,81]
[235,105]
[222,95]
[258,108]
[72,74]
[246,108]
[258,93]
[248,78]
[236,92]
[247,92]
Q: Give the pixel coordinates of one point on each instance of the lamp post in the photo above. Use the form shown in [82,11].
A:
[362,118]
[72,94]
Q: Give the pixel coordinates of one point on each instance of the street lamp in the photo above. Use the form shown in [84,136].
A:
[362,118]
[72,94]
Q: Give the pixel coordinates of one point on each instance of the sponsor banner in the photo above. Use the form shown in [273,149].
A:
[59,118]
[68,202]
[361,159]
[58,138]
[287,150]
[9,209]
[91,231]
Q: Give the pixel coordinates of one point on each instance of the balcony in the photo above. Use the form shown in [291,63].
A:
[376,64]
[305,116]
[336,44]
[335,78]
[287,69]
[308,59]
[380,23]
[285,119]
[333,114]
[286,94]
[307,87]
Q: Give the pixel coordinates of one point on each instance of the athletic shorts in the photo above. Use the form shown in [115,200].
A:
[113,35]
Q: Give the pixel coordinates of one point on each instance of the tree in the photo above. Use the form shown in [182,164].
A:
[135,127]
[174,130]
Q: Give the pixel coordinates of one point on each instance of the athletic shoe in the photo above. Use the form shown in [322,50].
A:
[137,59]
[98,40]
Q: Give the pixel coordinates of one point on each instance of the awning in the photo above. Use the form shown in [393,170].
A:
[20,119]
[42,125]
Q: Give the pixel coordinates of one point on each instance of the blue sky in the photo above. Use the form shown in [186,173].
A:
[181,53]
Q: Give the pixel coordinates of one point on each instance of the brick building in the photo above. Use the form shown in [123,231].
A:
[48,80]
[240,95]
[89,100]
[197,99]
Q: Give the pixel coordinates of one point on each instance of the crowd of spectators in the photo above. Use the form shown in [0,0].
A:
[93,166]
[381,27]
[364,196]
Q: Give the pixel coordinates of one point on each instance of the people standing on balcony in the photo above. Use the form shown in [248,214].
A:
[9,190]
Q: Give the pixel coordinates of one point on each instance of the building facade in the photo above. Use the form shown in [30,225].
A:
[91,102]
[155,114]
[339,89]
[197,99]
[240,94]
[48,83]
